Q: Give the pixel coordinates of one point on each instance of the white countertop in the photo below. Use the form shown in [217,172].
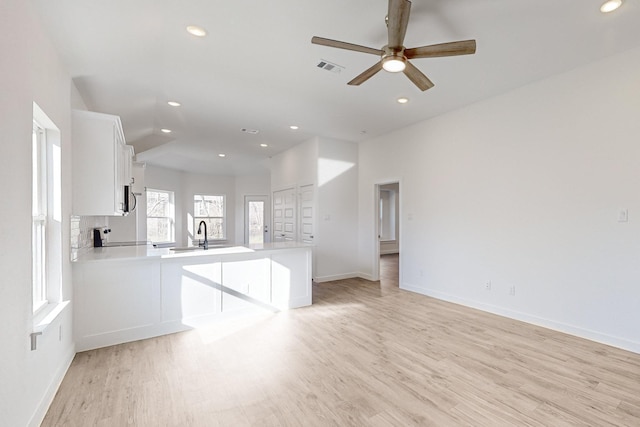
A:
[149,252]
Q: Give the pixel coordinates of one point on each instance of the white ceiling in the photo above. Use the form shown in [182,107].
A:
[257,67]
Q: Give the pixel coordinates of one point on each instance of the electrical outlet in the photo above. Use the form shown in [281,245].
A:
[512,290]
[487,285]
[623,215]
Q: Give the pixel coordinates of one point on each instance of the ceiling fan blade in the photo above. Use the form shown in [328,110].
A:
[345,45]
[366,75]
[397,20]
[465,47]
[417,77]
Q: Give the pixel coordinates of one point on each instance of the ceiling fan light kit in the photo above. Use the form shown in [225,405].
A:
[196,31]
[393,62]
[394,57]
[610,6]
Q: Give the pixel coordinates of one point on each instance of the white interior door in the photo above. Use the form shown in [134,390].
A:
[256,219]
[307,213]
[284,215]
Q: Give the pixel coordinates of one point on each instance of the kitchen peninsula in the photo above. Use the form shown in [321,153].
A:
[129,293]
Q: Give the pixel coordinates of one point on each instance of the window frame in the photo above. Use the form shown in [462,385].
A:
[47,223]
[171,217]
[223,218]
[39,229]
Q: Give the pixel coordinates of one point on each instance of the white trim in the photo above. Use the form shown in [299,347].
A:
[52,389]
[48,315]
[172,217]
[365,276]
[333,277]
[266,220]
[375,273]
[206,218]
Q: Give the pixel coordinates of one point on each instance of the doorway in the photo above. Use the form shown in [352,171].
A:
[256,220]
[387,234]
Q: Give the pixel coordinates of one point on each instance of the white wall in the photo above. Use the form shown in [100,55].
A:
[331,166]
[296,166]
[524,190]
[30,70]
[159,178]
[186,185]
[208,184]
[337,210]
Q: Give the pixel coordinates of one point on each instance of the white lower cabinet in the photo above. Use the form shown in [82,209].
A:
[115,302]
[190,291]
[246,284]
[288,270]
[125,300]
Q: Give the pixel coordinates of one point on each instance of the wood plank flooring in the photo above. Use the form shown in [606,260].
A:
[365,353]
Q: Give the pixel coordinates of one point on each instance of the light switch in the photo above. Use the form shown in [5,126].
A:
[623,215]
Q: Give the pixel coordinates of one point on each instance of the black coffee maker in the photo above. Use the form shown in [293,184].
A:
[97,236]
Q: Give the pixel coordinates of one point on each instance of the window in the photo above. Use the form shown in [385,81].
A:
[39,214]
[46,210]
[211,210]
[160,216]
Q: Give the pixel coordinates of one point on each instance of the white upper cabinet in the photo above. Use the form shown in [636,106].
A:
[101,164]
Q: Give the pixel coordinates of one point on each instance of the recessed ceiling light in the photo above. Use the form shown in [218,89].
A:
[165,130]
[222,155]
[196,31]
[294,127]
[402,100]
[264,145]
[174,103]
[610,6]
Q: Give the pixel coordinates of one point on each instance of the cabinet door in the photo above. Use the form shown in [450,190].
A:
[291,278]
[246,285]
[190,291]
[113,300]
[97,143]
[118,171]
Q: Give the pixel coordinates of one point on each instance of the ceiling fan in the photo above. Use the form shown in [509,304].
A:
[394,57]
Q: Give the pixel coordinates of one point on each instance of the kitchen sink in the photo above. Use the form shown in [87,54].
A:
[187,248]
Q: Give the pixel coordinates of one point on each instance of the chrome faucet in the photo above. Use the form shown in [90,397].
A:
[205,244]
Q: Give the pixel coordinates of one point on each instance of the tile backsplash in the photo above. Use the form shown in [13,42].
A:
[82,230]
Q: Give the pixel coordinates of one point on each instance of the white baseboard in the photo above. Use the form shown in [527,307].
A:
[366,276]
[331,278]
[577,331]
[50,393]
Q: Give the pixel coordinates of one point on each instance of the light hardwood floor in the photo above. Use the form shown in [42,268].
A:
[364,353]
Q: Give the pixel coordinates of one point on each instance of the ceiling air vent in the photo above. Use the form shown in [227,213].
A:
[330,66]
[251,131]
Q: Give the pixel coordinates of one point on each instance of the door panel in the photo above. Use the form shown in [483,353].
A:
[284,215]
[307,217]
